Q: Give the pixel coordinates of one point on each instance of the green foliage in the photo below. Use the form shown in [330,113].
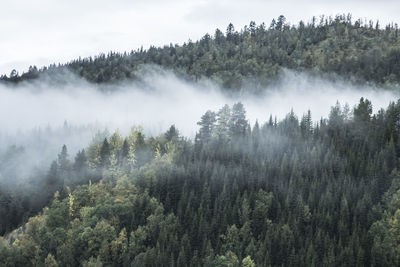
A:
[355,50]
[386,232]
[248,262]
[50,261]
[288,193]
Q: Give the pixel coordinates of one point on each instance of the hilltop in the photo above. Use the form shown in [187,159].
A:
[358,51]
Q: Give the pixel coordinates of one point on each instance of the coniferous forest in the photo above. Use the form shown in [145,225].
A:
[358,50]
[295,191]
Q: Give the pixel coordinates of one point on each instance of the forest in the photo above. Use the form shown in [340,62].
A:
[358,50]
[287,193]
[293,191]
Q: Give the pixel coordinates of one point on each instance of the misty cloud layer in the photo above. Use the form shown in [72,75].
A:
[40,118]
[161,99]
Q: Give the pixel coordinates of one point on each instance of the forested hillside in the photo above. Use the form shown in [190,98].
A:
[281,193]
[288,192]
[357,50]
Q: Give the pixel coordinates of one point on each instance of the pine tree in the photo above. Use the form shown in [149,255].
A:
[172,134]
[105,153]
[221,130]
[238,122]
[207,124]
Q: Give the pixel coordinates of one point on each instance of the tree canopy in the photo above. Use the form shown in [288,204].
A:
[357,50]
[287,193]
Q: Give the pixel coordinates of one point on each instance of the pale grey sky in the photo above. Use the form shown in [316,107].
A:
[41,32]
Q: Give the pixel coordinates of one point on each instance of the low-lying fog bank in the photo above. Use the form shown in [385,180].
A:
[159,100]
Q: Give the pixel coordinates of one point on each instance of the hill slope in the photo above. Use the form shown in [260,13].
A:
[359,51]
[281,194]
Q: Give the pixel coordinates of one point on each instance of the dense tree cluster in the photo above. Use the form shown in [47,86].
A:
[23,198]
[357,50]
[287,193]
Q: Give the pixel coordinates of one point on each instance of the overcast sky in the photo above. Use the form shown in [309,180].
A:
[42,32]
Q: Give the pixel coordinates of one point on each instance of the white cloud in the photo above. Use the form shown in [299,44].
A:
[161,99]
[158,101]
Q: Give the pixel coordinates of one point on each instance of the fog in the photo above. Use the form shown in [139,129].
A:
[42,117]
[160,99]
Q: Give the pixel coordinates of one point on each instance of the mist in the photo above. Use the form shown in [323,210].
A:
[161,99]
[40,117]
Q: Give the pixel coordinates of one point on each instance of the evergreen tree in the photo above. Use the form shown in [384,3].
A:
[238,122]
[207,124]
[105,153]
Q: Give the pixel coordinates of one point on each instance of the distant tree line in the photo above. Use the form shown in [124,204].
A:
[356,50]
